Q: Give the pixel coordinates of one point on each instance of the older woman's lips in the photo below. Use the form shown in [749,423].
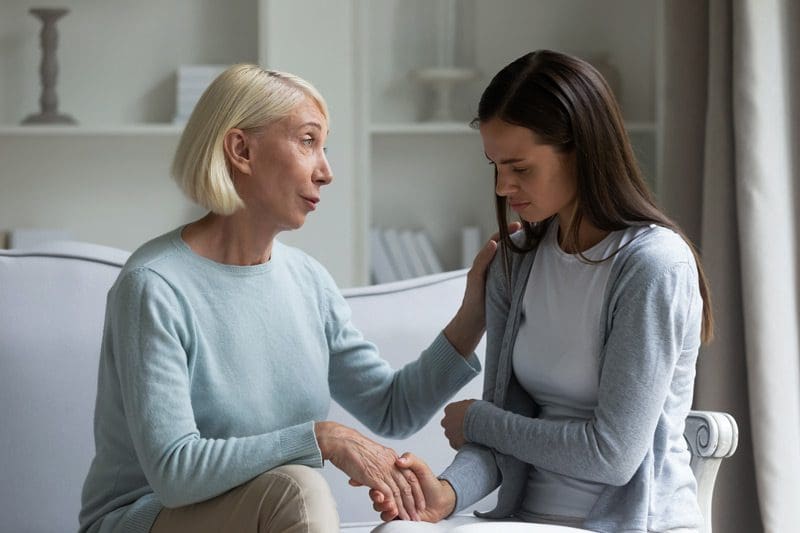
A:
[311,202]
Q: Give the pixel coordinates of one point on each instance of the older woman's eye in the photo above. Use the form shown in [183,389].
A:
[308,141]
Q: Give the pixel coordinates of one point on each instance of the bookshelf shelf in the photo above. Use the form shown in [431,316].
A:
[417,128]
[90,131]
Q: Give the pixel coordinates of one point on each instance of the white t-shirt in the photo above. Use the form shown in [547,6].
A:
[556,355]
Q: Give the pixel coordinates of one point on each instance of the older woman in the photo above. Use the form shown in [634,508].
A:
[223,347]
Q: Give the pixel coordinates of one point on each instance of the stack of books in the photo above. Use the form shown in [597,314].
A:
[401,254]
[192,81]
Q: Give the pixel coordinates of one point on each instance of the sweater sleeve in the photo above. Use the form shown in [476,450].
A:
[392,403]
[474,473]
[647,336]
[151,337]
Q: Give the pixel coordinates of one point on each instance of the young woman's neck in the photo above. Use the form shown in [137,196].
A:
[234,239]
[588,236]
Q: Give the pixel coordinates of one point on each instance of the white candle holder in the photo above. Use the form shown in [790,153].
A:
[442,80]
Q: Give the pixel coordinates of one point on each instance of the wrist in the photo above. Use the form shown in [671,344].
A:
[448,506]
[324,432]
[464,332]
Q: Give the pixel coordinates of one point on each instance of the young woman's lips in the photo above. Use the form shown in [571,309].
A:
[519,206]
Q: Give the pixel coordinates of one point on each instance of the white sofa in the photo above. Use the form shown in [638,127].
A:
[52,301]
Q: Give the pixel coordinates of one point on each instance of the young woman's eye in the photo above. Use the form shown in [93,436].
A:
[519,170]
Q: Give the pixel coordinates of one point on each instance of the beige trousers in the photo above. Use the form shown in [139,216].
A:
[291,499]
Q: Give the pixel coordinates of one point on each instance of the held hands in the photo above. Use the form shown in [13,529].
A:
[466,329]
[368,463]
[453,422]
[440,498]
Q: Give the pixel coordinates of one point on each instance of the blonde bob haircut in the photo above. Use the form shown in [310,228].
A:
[244,96]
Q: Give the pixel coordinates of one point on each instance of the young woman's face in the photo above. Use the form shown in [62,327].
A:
[288,167]
[536,180]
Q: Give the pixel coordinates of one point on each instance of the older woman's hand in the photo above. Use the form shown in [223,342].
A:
[466,329]
[368,463]
[439,495]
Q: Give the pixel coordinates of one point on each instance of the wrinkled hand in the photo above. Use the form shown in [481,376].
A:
[466,329]
[453,422]
[440,497]
[371,464]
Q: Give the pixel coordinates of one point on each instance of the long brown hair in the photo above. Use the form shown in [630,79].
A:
[568,105]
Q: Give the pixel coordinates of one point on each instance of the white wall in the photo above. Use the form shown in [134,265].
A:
[315,39]
[107,182]
[117,58]
[107,189]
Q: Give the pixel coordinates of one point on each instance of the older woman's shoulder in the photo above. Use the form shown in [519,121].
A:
[302,264]
[153,251]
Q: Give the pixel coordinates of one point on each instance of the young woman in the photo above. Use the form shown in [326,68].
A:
[223,348]
[595,313]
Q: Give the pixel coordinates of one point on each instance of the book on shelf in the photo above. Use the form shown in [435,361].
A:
[415,261]
[381,267]
[397,253]
[401,254]
[428,254]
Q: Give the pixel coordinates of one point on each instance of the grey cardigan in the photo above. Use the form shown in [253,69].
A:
[634,442]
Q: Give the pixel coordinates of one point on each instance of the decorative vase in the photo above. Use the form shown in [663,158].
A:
[48,70]
[446,75]
[442,80]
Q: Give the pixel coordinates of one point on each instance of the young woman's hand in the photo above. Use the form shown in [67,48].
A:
[466,329]
[440,497]
[453,422]
[368,463]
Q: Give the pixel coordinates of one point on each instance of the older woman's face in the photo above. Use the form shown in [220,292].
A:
[288,167]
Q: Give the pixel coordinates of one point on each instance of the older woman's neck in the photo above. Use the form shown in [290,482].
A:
[231,240]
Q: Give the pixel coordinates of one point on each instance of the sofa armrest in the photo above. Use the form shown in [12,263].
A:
[711,436]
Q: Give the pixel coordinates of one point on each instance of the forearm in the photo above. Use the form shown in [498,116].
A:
[397,403]
[576,448]
[195,469]
[472,475]
[464,332]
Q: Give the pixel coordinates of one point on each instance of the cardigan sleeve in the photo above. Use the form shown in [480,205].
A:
[149,335]
[654,321]
[474,472]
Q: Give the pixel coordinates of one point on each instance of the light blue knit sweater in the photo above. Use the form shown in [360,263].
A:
[650,335]
[211,374]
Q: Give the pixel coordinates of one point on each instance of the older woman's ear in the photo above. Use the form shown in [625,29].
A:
[237,150]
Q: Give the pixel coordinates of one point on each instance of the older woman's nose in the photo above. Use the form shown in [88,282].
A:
[324,174]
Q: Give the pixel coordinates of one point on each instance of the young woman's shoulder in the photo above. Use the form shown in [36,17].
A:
[654,251]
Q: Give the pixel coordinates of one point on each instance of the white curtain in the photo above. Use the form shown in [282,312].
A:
[732,87]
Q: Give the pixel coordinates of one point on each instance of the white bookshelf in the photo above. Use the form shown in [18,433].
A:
[433,175]
[117,64]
